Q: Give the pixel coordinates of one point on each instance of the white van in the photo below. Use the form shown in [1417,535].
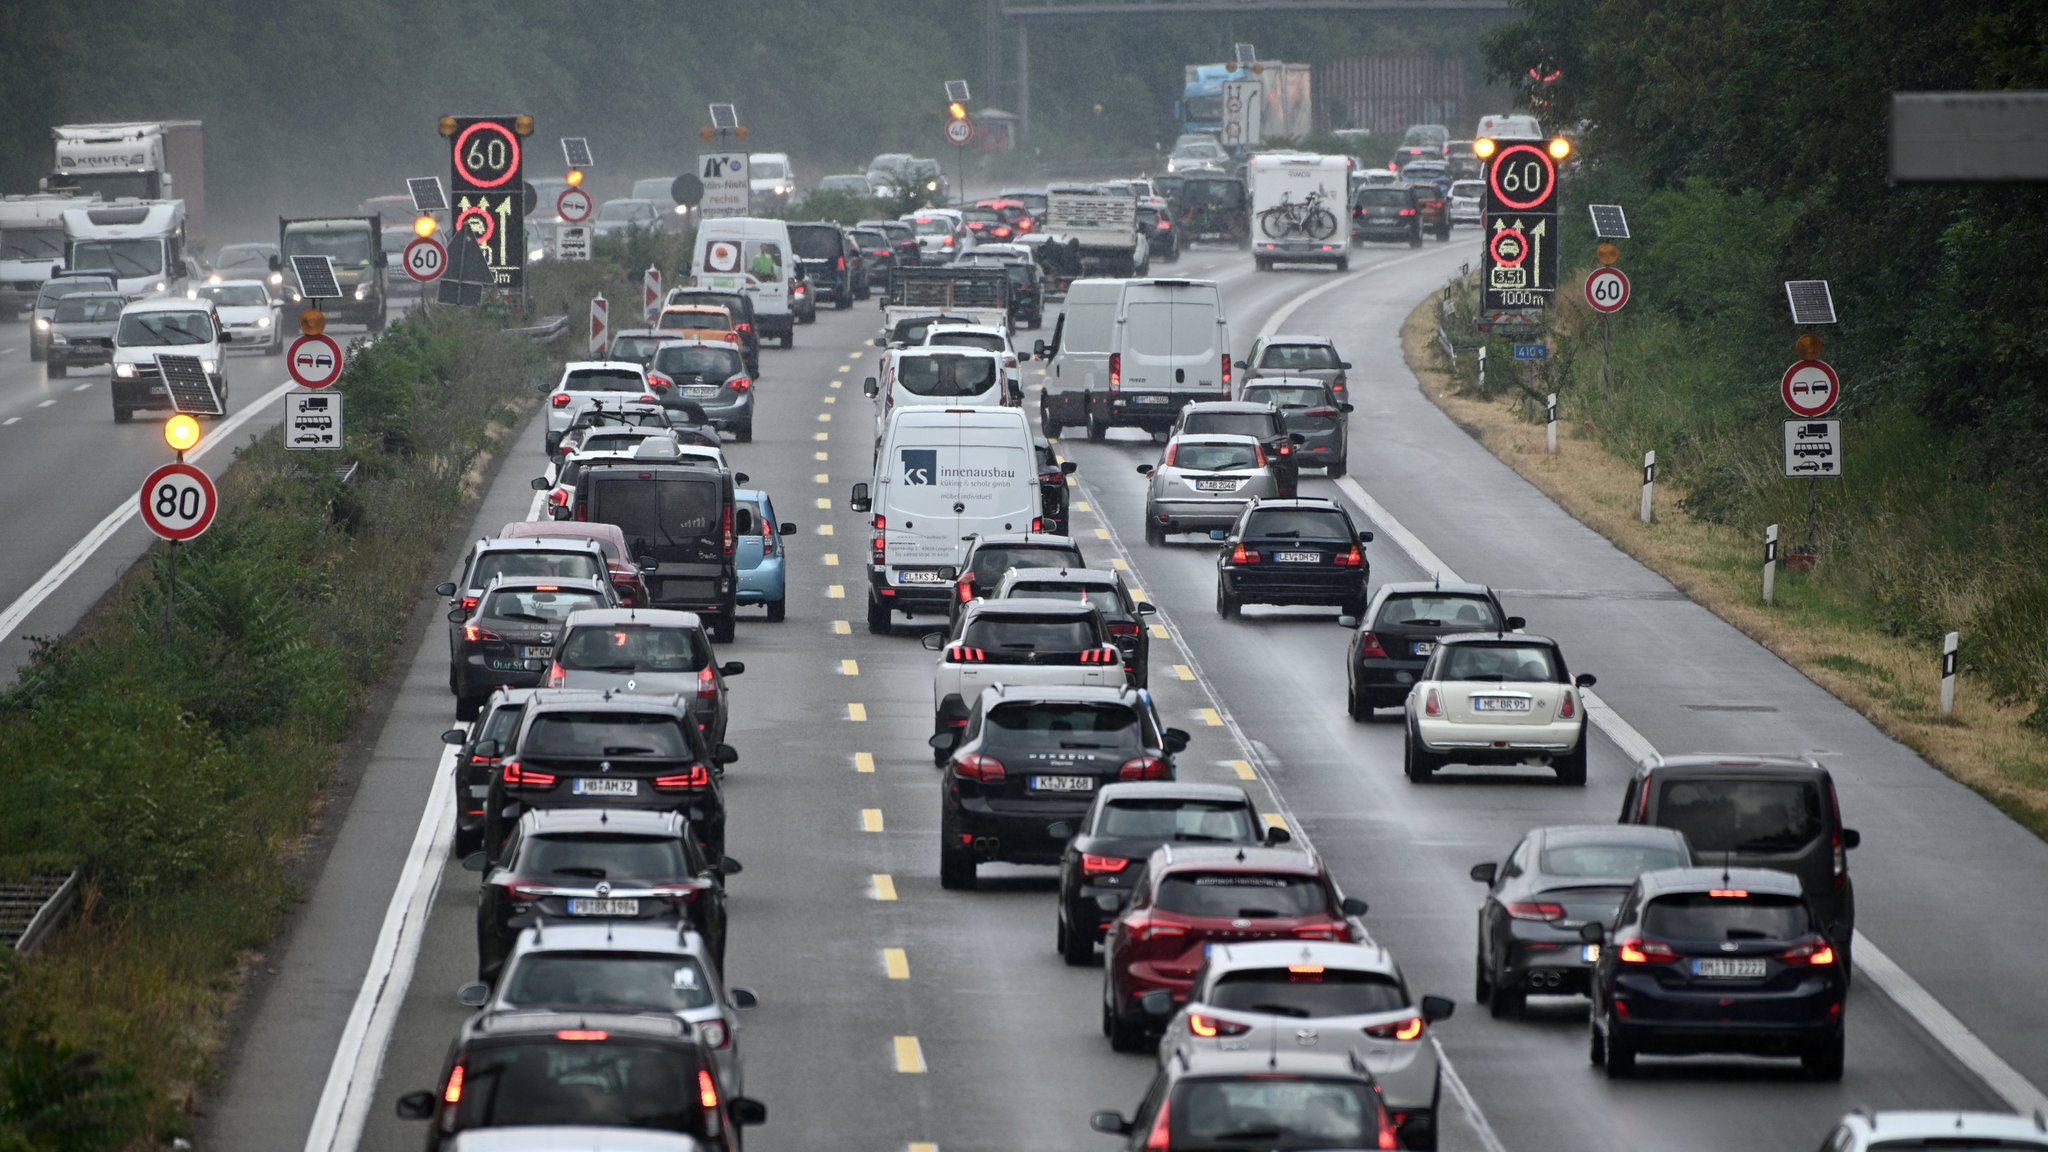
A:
[1510,127]
[1170,347]
[942,474]
[770,180]
[936,377]
[165,325]
[1079,353]
[727,251]
[1301,209]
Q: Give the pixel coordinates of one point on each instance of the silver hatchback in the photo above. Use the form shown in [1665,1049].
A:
[1203,482]
[648,650]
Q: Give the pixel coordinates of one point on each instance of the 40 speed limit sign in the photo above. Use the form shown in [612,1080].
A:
[1607,290]
[178,502]
[425,259]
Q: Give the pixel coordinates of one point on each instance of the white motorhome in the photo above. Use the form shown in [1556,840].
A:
[1301,209]
[1079,353]
[31,246]
[1170,347]
[754,256]
[942,474]
[142,242]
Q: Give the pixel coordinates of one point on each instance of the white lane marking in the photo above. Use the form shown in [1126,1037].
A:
[359,1058]
[90,543]
[5,351]
[1288,309]
[1895,982]
[10,420]
[46,403]
[83,387]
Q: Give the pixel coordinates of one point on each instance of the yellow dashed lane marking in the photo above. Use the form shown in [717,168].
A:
[885,886]
[1183,671]
[863,761]
[1243,768]
[897,965]
[824,529]
[831,399]
[822,477]
[871,819]
[849,667]
[1117,562]
[909,1056]
[842,628]
[1275,820]
[1138,594]
[1159,632]
[835,591]
[831,559]
[858,713]
[836,384]
[824,417]
[821,435]
[1082,506]
[855,355]
[1210,718]
[1102,533]
[824,503]
[916,1147]
[846,367]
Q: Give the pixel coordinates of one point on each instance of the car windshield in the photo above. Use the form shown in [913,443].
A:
[243,256]
[163,329]
[1273,1112]
[986,341]
[237,295]
[700,318]
[1305,523]
[616,210]
[1757,815]
[1289,395]
[540,605]
[630,982]
[697,360]
[552,1081]
[604,380]
[815,243]
[991,562]
[1306,990]
[1049,727]
[1103,596]
[121,257]
[603,856]
[1622,862]
[1258,425]
[1197,456]
[1299,357]
[857,185]
[568,565]
[932,226]
[1468,189]
[653,187]
[635,648]
[605,734]
[1509,663]
[770,169]
[89,309]
[946,375]
[1744,916]
[348,246]
[34,244]
[638,348]
[1242,895]
[55,290]
[1065,635]
[1225,820]
[1436,610]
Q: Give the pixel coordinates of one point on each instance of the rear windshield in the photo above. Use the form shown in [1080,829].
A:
[1228,821]
[55,290]
[697,360]
[638,348]
[559,1082]
[1430,609]
[710,321]
[537,606]
[1509,663]
[1221,193]
[932,225]
[238,295]
[1303,523]
[1274,1111]
[1255,424]
[88,309]
[814,243]
[1201,457]
[986,341]
[1103,596]
[1299,357]
[1051,727]
[600,734]
[946,375]
[737,305]
[620,418]
[570,565]
[1742,815]
[583,856]
[1383,198]
[1701,916]
[1469,189]
[1309,990]
[990,563]
[605,380]
[869,238]
[1012,634]
[1288,395]
[1242,895]
[631,982]
[666,508]
[635,648]
[1609,861]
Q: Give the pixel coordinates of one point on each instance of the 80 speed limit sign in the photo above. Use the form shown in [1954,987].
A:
[178,502]
[1607,290]
[424,259]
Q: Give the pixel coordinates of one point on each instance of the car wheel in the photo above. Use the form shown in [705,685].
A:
[878,615]
[1507,1002]
[842,300]
[1571,767]
[123,415]
[1075,947]
[1621,1055]
[54,369]
[1355,704]
[1226,604]
[1046,424]
[1824,1060]
[721,626]
[1596,1044]
[1482,988]
[1416,760]
[1415,239]
[1097,430]
[1444,234]
[1155,532]
[956,869]
[744,433]
[1343,263]
[1335,469]
[777,609]
[1125,1034]
[789,339]
[1261,264]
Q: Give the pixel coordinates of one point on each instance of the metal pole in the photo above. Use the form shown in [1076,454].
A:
[1948,672]
[171,597]
[1023,80]
[1605,342]
[1812,516]
[1770,564]
[1482,370]
[960,166]
[1649,481]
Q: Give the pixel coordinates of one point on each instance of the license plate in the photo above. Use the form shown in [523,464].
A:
[1298,557]
[701,391]
[1728,969]
[606,786]
[156,390]
[1217,485]
[582,906]
[1499,704]
[537,651]
[1422,647]
[1150,399]
[918,576]
[1590,953]
[1063,783]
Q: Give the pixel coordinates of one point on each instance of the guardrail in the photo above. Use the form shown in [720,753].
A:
[547,331]
[50,899]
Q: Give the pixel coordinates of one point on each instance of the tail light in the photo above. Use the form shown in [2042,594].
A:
[472,634]
[1116,371]
[1328,930]
[1640,951]
[1533,910]
[527,893]
[648,400]
[469,603]
[1103,865]
[1369,647]
[1226,369]
[561,400]
[659,382]
[453,1093]
[725,520]
[1165,225]
[707,687]
[1124,629]
[1211,1026]
[1145,768]
[1331,413]
[767,539]
[959,654]
[1351,559]
[1836,847]
[1817,952]
[1259,455]
[517,777]
[1409,1029]
[841,264]
[965,588]
[946,242]
[1038,523]
[1242,555]
[739,384]
[1104,655]
[557,676]
[681,891]
[697,777]
[559,497]
[707,1090]
[568,448]
[1567,707]
[986,769]
[1153,926]
[1172,451]
[1161,1136]
[582,510]
[1407,211]
[880,541]
[1431,705]
[743,327]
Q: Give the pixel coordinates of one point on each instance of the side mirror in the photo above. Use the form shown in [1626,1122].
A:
[1060,830]
[1353,906]
[727,866]
[725,754]
[747,1111]
[1435,1008]
[1297,438]
[1344,407]
[1347,621]
[881,341]
[1851,838]
[1486,873]
[742,998]
[486,748]
[1516,623]
[227,337]
[1344,365]
[475,862]
[276,265]
[786,528]
[445,588]
[454,736]
[539,484]
[1144,469]
[1068,467]
[1038,349]
[420,1105]
[943,741]
[648,565]
[457,615]
[1177,739]
[1276,836]
[1108,1123]
[732,668]
[740,478]
[933,641]
[869,388]
[1365,537]
[473,994]
[1241,365]
[1157,1003]
[859,500]
[1218,534]
[1593,932]
[1147,608]
[949,573]
[1585,680]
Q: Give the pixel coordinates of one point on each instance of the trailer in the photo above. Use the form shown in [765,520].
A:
[137,160]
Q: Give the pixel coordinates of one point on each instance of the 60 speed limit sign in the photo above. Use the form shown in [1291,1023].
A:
[178,502]
[1607,290]
[425,259]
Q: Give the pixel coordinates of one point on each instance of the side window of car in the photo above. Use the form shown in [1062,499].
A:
[973,724]
[1628,800]
[1518,860]
[1141,888]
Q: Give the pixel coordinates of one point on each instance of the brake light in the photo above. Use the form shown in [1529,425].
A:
[516,776]
[707,688]
[1818,953]
[1107,655]
[1533,910]
[1369,647]
[1149,926]
[725,520]
[1161,1137]
[556,676]
[1226,369]
[959,654]
[1145,768]
[561,400]
[1409,1029]
[582,1034]
[1240,555]
[559,497]
[986,769]
[1566,708]
[696,777]
[841,264]
[1172,451]
[1127,629]
[469,603]
[1430,705]
[648,400]
[471,634]
[1165,225]
[680,892]
[1325,931]
[1304,969]
[1116,371]
[1407,211]
[1330,412]
[1038,523]
[1639,951]
[743,327]
[453,1093]
[1099,865]
[659,381]
[707,1089]
[1211,1026]
[965,587]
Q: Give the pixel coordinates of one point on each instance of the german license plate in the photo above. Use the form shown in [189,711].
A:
[1590,953]
[156,390]
[1063,783]
[918,576]
[537,651]
[701,391]
[1500,704]
[1718,969]
[583,906]
[1422,647]
[1217,485]
[605,786]
[1298,557]
[1150,399]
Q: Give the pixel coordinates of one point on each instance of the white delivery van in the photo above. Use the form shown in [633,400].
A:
[1170,347]
[1301,209]
[935,377]
[1079,353]
[942,474]
[728,258]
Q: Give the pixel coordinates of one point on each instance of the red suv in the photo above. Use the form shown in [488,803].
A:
[1188,898]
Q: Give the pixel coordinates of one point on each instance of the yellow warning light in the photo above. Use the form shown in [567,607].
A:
[1560,148]
[446,126]
[740,132]
[957,110]
[1808,346]
[523,125]
[574,178]
[1484,148]
[312,322]
[1607,253]
[703,133]
[181,432]
[424,226]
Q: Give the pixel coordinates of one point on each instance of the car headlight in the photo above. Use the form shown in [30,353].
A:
[931,185]
[125,371]
[277,277]
[362,291]
[296,297]
[209,367]
[536,255]
[263,322]
[42,324]
[682,209]
[160,285]
[213,279]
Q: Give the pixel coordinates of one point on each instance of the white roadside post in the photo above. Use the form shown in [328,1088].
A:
[600,327]
[650,293]
[1550,424]
[1948,672]
[1482,369]
[1770,563]
[1649,481]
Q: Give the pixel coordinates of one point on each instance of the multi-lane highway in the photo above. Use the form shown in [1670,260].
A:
[896,1015]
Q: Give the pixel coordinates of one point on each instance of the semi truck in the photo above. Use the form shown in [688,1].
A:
[141,160]
[1285,107]
[355,245]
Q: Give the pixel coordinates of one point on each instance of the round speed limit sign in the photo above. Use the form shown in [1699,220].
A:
[178,502]
[425,259]
[1607,290]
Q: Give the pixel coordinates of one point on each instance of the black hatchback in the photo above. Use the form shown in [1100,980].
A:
[509,640]
[1292,552]
[1392,640]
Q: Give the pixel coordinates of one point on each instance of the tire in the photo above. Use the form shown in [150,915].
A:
[1571,767]
[1416,762]
[777,611]
[1125,1034]
[1596,1046]
[1155,533]
[1343,263]
[744,433]
[1075,947]
[1262,264]
[377,317]
[123,415]
[1824,1060]
[956,870]
[466,707]
[842,300]
[37,353]
[1443,234]
[1226,605]
[55,370]
[789,338]
[1046,424]
[1621,1055]
[1097,430]
[1506,1003]
[1336,468]
[1415,239]
[1355,705]
[1482,985]
[721,626]
[878,615]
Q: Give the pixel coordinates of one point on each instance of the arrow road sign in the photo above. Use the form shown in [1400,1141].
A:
[1813,448]
[1607,290]
[314,361]
[1810,388]
[573,205]
[178,502]
[425,259]
[312,422]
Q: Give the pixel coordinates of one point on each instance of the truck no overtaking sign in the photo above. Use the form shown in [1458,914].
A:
[1813,448]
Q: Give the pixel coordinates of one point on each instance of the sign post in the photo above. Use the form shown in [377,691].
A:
[486,163]
[1948,672]
[1550,424]
[1649,481]
[1770,564]
[178,504]
[650,291]
[600,327]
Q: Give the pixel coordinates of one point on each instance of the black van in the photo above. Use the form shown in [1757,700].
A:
[831,262]
[678,522]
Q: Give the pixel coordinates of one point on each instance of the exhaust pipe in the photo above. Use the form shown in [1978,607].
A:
[987,844]
[1546,980]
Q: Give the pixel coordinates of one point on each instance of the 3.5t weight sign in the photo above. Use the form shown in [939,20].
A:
[178,502]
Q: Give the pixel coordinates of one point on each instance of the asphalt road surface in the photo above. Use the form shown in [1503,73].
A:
[898,1016]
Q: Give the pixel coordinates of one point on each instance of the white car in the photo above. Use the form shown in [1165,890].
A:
[941,234]
[1020,642]
[1295,995]
[585,382]
[1862,1131]
[1497,698]
[250,312]
[1467,200]
[989,338]
[555,1137]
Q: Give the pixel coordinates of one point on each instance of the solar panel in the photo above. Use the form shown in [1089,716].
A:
[576,150]
[316,277]
[956,90]
[427,195]
[1245,54]
[1811,301]
[724,117]
[1609,222]
[190,388]
[462,285]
